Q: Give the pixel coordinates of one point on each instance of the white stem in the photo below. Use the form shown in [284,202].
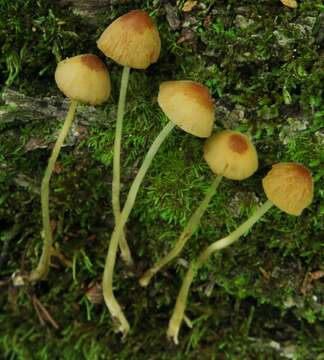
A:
[190,228]
[124,248]
[43,266]
[109,297]
[179,309]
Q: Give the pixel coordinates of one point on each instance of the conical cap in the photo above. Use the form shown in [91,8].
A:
[131,40]
[84,78]
[189,105]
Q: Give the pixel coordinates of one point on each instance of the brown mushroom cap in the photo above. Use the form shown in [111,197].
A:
[231,154]
[189,105]
[83,78]
[131,40]
[289,186]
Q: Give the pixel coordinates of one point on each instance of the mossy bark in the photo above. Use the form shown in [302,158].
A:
[263,299]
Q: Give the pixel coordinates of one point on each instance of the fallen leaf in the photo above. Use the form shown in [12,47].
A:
[92,237]
[35,143]
[94,293]
[265,273]
[58,168]
[81,132]
[309,279]
[186,35]
[207,21]
[316,275]
[53,225]
[172,16]
[189,5]
[290,3]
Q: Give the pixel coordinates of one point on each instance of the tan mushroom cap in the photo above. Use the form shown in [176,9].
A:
[84,78]
[289,186]
[231,154]
[131,40]
[189,105]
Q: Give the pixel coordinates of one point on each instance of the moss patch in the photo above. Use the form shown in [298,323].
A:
[263,63]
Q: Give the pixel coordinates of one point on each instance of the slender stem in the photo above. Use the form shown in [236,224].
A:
[125,251]
[110,300]
[42,269]
[190,228]
[179,309]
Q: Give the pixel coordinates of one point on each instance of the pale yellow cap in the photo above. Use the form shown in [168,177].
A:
[231,154]
[189,105]
[290,3]
[289,186]
[131,40]
[84,78]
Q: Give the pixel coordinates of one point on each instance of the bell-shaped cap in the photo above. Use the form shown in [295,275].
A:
[231,154]
[189,105]
[289,186]
[84,78]
[131,40]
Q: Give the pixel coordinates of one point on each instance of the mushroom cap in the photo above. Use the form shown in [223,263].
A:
[189,105]
[231,154]
[289,186]
[84,78]
[131,40]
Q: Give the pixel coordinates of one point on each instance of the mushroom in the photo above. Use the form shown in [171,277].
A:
[83,78]
[188,105]
[229,154]
[132,41]
[289,186]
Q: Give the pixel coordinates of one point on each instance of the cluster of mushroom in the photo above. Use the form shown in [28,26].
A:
[133,42]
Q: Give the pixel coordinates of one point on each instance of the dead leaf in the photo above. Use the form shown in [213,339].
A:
[309,279]
[92,237]
[35,143]
[189,5]
[265,273]
[207,21]
[187,35]
[316,275]
[58,168]
[94,293]
[53,225]
[290,3]
[172,16]
[81,132]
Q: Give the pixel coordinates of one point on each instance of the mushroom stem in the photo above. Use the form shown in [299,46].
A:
[110,300]
[125,251]
[179,309]
[185,235]
[42,269]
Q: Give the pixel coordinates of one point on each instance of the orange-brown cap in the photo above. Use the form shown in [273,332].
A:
[131,40]
[84,78]
[289,186]
[189,105]
[231,154]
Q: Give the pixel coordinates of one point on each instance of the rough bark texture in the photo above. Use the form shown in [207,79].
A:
[22,108]
[89,9]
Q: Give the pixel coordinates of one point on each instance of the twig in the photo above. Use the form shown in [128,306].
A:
[43,313]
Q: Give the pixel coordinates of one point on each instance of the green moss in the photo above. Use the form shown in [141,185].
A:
[263,64]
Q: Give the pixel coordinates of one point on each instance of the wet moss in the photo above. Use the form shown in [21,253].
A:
[254,300]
